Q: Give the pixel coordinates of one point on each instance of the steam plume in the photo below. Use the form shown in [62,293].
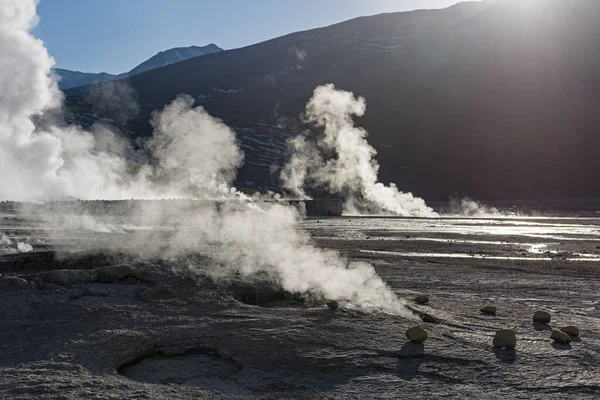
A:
[56,162]
[240,237]
[342,161]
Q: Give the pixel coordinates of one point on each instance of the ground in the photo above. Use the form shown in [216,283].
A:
[108,326]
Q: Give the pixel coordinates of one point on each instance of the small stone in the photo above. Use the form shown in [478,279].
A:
[541,317]
[333,305]
[505,339]
[416,334]
[571,330]
[422,299]
[560,337]
[489,310]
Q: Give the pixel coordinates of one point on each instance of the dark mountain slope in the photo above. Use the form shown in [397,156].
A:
[70,79]
[495,100]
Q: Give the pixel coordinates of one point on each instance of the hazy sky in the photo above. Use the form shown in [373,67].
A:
[116,35]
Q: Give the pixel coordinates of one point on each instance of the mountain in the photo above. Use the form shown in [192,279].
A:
[496,100]
[173,56]
[70,79]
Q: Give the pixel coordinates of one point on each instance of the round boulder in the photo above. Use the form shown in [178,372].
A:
[560,337]
[489,310]
[416,334]
[571,330]
[333,305]
[505,339]
[422,299]
[541,317]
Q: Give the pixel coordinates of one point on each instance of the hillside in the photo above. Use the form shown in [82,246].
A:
[497,91]
[70,79]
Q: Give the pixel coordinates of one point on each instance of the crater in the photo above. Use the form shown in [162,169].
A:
[265,294]
[202,367]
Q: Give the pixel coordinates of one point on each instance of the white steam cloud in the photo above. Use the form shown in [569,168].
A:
[342,161]
[40,164]
[193,155]
[197,150]
[8,246]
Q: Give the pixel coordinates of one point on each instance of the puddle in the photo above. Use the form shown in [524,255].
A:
[396,228]
[579,257]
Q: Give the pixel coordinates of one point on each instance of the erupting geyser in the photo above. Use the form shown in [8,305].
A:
[342,161]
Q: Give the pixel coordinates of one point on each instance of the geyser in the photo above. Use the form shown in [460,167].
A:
[341,160]
[241,237]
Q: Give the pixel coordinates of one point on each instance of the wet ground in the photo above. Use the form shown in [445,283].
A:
[96,325]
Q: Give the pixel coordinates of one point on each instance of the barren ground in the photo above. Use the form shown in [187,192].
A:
[98,326]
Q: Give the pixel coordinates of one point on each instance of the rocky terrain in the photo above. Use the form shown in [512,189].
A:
[83,324]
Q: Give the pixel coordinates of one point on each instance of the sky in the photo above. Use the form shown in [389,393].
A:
[116,35]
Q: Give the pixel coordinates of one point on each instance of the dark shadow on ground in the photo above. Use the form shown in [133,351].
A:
[561,346]
[508,356]
[410,349]
[409,361]
[541,327]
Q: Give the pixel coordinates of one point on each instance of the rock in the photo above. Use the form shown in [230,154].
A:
[13,283]
[333,305]
[505,339]
[489,310]
[422,299]
[571,330]
[429,318]
[541,317]
[416,334]
[560,337]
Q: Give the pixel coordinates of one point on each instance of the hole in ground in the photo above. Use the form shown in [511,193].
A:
[265,294]
[199,367]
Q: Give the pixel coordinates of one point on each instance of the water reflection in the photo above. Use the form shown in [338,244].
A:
[574,257]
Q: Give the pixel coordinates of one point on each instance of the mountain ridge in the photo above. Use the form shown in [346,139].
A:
[69,79]
[173,55]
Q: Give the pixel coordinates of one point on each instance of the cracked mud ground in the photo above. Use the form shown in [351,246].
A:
[96,326]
